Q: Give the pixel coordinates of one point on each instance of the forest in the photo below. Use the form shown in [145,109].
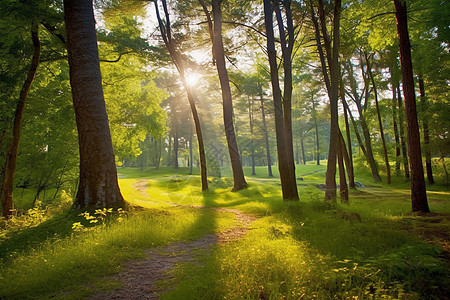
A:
[224,149]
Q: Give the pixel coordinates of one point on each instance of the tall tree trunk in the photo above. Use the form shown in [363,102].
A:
[347,152]
[316,128]
[355,128]
[426,134]
[266,136]
[303,150]
[368,143]
[191,158]
[288,184]
[380,123]
[348,162]
[158,155]
[98,174]
[252,146]
[236,166]
[169,150]
[330,179]
[9,168]
[287,44]
[396,135]
[418,191]
[175,147]
[402,133]
[166,33]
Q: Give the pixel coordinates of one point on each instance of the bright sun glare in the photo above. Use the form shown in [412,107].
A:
[192,78]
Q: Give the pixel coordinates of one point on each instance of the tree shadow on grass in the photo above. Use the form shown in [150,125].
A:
[24,240]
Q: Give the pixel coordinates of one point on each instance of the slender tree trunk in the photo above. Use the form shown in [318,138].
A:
[426,134]
[380,123]
[266,136]
[355,129]
[348,162]
[236,166]
[169,150]
[252,147]
[402,133]
[191,158]
[343,189]
[175,147]
[348,154]
[316,127]
[330,179]
[9,168]
[287,43]
[158,156]
[303,151]
[418,191]
[396,135]
[288,184]
[177,60]
[98,174]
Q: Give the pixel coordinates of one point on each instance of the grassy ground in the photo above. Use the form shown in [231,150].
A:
[309,249]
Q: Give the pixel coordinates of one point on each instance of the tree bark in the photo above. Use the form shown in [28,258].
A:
[177,60]
[98,174]
[219,53]
[426,133]
[288,184]
[418,191]
[9,168]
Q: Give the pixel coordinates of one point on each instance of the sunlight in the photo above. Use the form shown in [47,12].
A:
[192,79]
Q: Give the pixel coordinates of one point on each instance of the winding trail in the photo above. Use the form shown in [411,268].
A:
[140,276]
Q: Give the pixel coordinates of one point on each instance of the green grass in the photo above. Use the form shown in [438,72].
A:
[305,249]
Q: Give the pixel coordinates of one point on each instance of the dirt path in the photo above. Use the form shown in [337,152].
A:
[140,276]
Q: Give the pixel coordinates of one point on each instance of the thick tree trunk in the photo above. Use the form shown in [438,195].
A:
[98,174]
[418,191]
[177,60]
[9,169]
[426,134]
[266,136]
[236,166]
[288,184]
[380,123]
[402,133]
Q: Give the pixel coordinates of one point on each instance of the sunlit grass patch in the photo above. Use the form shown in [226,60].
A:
[64,264]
